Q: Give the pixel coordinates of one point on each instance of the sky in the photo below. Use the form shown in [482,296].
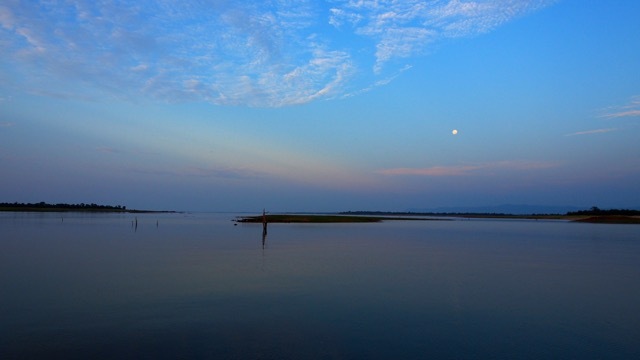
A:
[320,105]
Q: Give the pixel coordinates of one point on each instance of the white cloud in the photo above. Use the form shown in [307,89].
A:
[261,53]
[140,68]
[632,109]
[406,28]
[590,132]
[339,17]
[378,83]
[400,43]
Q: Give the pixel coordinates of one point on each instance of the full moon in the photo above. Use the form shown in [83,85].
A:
[454,132]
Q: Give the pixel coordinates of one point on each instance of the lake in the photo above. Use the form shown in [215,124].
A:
[98,286]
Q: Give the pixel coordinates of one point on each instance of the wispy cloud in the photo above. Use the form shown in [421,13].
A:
[632,109]
[405,28]
[202,172]
[379,83]
[589,132]
[6,124]
[259,53]
[462,170]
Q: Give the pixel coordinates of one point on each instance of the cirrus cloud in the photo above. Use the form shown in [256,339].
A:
[632,109]
[590,132]
[257,53]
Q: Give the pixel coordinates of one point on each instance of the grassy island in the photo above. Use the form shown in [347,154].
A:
[319,219]
[593,215]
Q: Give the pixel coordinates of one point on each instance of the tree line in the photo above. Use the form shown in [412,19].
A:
[595,211]
[44,206]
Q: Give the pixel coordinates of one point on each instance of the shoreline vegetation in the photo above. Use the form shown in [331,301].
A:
[593,215]
[82,207]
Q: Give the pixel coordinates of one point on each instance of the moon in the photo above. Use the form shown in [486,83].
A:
[454,132]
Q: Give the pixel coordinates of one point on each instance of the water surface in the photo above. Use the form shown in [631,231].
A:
[80,286]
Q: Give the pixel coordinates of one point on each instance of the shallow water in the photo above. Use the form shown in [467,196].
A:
[80,286]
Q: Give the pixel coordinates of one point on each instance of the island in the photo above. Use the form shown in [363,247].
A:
[593,215]
[322,218]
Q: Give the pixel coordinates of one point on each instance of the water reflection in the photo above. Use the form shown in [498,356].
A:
[264,237]
[264,228]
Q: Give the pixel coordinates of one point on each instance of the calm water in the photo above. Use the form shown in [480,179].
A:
[81,286]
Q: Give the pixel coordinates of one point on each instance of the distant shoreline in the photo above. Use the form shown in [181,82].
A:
[95,208]
[63,210]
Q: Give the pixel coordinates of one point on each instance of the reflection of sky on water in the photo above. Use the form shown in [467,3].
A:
[196,285]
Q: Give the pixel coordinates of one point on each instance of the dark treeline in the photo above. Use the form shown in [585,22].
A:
[595,211]
[411,213]
[44,206]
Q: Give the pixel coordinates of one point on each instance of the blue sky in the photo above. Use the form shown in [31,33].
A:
[320,105]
